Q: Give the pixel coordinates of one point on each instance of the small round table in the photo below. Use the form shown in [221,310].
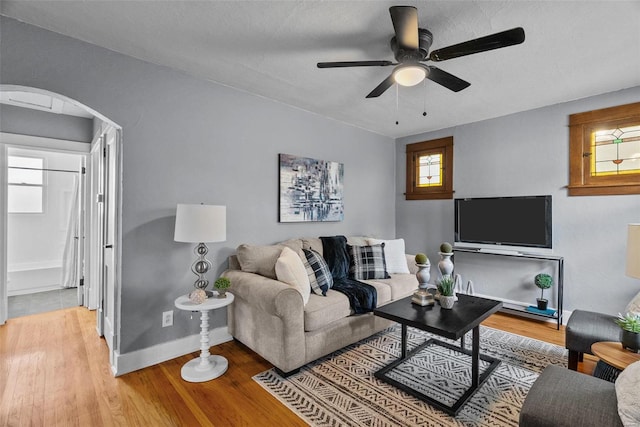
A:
[207,366]
[611,355]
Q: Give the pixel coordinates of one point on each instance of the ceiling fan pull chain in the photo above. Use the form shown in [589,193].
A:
[397,104]
[424,104]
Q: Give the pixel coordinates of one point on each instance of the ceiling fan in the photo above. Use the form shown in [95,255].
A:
[410,46]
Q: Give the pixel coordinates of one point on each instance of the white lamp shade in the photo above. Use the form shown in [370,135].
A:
[200,223]
[633,251]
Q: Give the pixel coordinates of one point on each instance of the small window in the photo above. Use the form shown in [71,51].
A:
[25,185]
[430,170]
[605,151]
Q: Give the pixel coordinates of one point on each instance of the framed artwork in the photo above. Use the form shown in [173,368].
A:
[310,190]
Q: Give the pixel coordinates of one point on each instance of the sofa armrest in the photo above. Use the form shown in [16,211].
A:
[411,263]
[271,296]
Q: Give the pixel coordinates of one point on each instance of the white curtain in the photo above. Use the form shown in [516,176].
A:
[70,260]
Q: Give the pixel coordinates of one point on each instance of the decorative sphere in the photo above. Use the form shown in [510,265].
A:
[198,296]
[201,267]
[202,250]
[421,258]
[201,283]
[446,248]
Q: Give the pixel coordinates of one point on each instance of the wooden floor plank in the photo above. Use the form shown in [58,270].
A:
[54,371]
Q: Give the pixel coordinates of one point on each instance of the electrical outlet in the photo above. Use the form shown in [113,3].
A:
[167,318]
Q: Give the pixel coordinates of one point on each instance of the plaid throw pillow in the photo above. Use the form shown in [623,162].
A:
[367,262]
[318,272]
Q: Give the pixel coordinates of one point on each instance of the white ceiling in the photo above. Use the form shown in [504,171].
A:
[573,49]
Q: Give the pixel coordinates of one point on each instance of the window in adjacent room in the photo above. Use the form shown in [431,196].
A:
[25,184]
[430,169]
[605,151]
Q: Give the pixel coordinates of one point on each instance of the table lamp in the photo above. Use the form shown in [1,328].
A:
[633,251]
[200,224]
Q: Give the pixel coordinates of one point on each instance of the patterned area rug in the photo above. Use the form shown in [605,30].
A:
[341,390]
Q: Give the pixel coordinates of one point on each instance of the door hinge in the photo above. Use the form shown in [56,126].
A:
[82,281]
[104,152]
[84,170]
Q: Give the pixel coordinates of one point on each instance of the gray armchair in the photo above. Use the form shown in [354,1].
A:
[562,398]
[585,328]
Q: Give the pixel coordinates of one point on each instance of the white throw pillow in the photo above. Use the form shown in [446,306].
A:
[394,255]
[291,270]
[628,394]
[634,305]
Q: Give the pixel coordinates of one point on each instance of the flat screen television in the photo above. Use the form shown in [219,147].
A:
[523,221]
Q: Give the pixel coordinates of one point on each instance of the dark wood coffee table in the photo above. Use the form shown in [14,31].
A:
[467,314]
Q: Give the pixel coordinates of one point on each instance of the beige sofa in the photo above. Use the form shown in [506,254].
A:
[269,316]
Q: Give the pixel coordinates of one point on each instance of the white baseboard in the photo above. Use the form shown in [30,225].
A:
[129,362]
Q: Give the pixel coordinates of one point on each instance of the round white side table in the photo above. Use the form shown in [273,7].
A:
[207,366]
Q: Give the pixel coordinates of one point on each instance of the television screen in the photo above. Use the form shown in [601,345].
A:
[513,221]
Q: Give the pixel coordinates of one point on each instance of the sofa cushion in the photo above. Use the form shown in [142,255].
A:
[318,271]
[291,270]
[320,311]
[394,254]
[367,262]
[262,259]
[334,251]
[400,285]
[316,244]
[383,291]
[628,394]
[312,243]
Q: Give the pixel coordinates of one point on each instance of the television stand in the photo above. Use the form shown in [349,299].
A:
[497,251]
[558,259]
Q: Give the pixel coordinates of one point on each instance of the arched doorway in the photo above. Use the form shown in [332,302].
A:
[99,239]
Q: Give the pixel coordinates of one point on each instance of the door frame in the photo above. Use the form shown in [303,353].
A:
[7,141]
[103,122]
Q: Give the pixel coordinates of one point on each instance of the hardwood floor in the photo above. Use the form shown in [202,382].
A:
[54,371]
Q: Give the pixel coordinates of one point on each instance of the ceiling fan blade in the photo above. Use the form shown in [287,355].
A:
[447,80]
[382,87]
[482,44]
[354,64]
[405,24]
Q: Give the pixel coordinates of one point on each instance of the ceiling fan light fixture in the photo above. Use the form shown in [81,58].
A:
[409,75]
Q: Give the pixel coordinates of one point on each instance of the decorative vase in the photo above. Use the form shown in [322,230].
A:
[447,302]
[630,341]
[423,275]
[222,293]
[445,265]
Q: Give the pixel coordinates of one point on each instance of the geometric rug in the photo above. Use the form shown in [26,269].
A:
[341,390]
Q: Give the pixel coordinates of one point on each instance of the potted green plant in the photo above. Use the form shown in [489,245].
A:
[543,281]
[630,337]
[222,284]
[445,288]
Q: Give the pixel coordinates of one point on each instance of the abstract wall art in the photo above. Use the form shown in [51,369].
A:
[310,190]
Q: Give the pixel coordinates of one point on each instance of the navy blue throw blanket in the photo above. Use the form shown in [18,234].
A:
[362,297]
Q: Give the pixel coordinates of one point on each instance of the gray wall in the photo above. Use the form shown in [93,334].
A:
[25,121]
[527,154]
[189,141]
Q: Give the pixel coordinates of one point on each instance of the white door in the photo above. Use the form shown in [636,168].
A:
[96,232]
[109,301]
